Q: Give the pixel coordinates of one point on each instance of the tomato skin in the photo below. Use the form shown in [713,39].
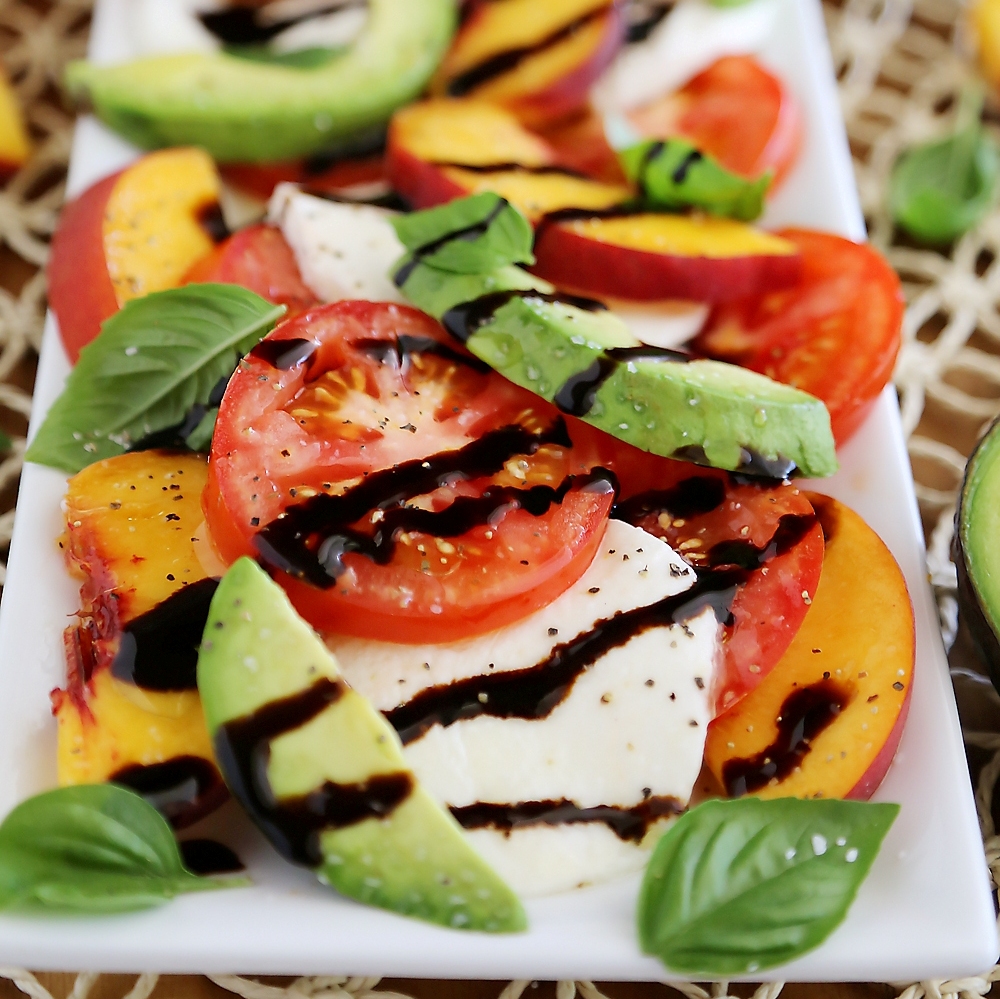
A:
[80,289]
[835,334]
[736,111]
[260,179]
[258,258]
[768,609]
[277,447]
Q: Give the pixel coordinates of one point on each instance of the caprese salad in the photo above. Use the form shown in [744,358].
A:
[450,525]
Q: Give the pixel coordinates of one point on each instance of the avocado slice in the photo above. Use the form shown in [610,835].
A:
[248,111]
[976,549]
[321,772]
[583,358]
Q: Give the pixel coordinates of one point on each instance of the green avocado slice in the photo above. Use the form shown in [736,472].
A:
[322,772]
[977,549]
[241,110]
[591,366]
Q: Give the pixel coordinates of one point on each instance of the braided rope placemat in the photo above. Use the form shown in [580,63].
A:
[901,65]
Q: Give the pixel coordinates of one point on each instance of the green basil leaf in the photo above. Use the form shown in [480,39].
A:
[737,886]
[152,362]
[311,58]
[92,848]
[942,189]
[675,174]
[471,235]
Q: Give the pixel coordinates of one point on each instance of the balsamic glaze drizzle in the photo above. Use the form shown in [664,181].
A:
[680,174]
[577,394]
[309,539]
[208,856]
[752,463]
[364,146]
[462,320]
[294,824]
[804,715]
[468,234]
[535,691]
[159,649]
[629,824]
[181,789]
[211,219]
[643,16]
[284,354]
[690,497]
[512,166]
[401,348]
[242,25]
[503,62]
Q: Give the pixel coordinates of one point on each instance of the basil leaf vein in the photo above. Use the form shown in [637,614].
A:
[95,848]
[734,887]
[152,362]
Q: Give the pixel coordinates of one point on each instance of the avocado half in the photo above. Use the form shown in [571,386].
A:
[976,549]
[241,110]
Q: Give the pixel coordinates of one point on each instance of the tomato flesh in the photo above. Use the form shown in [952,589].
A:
[737,112]
[835,334]
[699,512]
[380,394]
[257,258]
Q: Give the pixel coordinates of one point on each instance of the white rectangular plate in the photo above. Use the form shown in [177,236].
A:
[924,912]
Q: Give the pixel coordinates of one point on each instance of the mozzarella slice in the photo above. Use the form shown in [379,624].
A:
[336,30]
[689,39]
[661,324]
[630,729]
[343,250]
[163,27]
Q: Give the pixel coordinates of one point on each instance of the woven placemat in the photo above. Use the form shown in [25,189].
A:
[901,65]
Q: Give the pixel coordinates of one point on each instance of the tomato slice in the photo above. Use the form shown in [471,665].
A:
[719,522]
[337,176]
[835,334]
[396,486]
[257,258]
[736,111]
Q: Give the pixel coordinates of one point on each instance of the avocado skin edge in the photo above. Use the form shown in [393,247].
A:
[538,345]
[239,110]
[980,617]
[413,858]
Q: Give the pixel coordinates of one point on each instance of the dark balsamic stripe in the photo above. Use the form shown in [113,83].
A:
[629,824]
[284,354]
[181,789]
[695,495]
[752,463]
[294,824]
[242,25]
[504,62]
[208,856]
[805,713]
[364,146]
[680,174]
[643,17]
[535,691]
[469,234]
[578,392]
[213,222]
[462,320]
[159,649]
[391,199]
[514,167]
[309,539]
[401,348]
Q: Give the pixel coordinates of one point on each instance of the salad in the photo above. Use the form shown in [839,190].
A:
[563,560]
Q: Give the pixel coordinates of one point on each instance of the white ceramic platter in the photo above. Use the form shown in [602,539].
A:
[924,912]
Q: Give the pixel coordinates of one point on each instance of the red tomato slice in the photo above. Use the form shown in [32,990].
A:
[398,488]
[700,511]
[257,258]
[736,111]
[835,334]
[260,179]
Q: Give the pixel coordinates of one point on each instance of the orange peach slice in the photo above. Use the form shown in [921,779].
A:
[15,147]
[657,256]
[826,721]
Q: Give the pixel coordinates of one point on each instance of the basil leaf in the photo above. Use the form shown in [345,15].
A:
[311,58]
[675,174]
[737,886]
[92,848]
[152,362]
[940,190]
[471,235]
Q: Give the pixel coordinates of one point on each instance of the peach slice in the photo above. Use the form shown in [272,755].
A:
[15,146]
[442,149]
[539,60]
[132,233]
[647,257]
[826,721]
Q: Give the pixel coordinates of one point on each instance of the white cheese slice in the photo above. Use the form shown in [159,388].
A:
[343,250]
[334,31]
[164,27]
[661,324]
[689,39]
[631,727]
